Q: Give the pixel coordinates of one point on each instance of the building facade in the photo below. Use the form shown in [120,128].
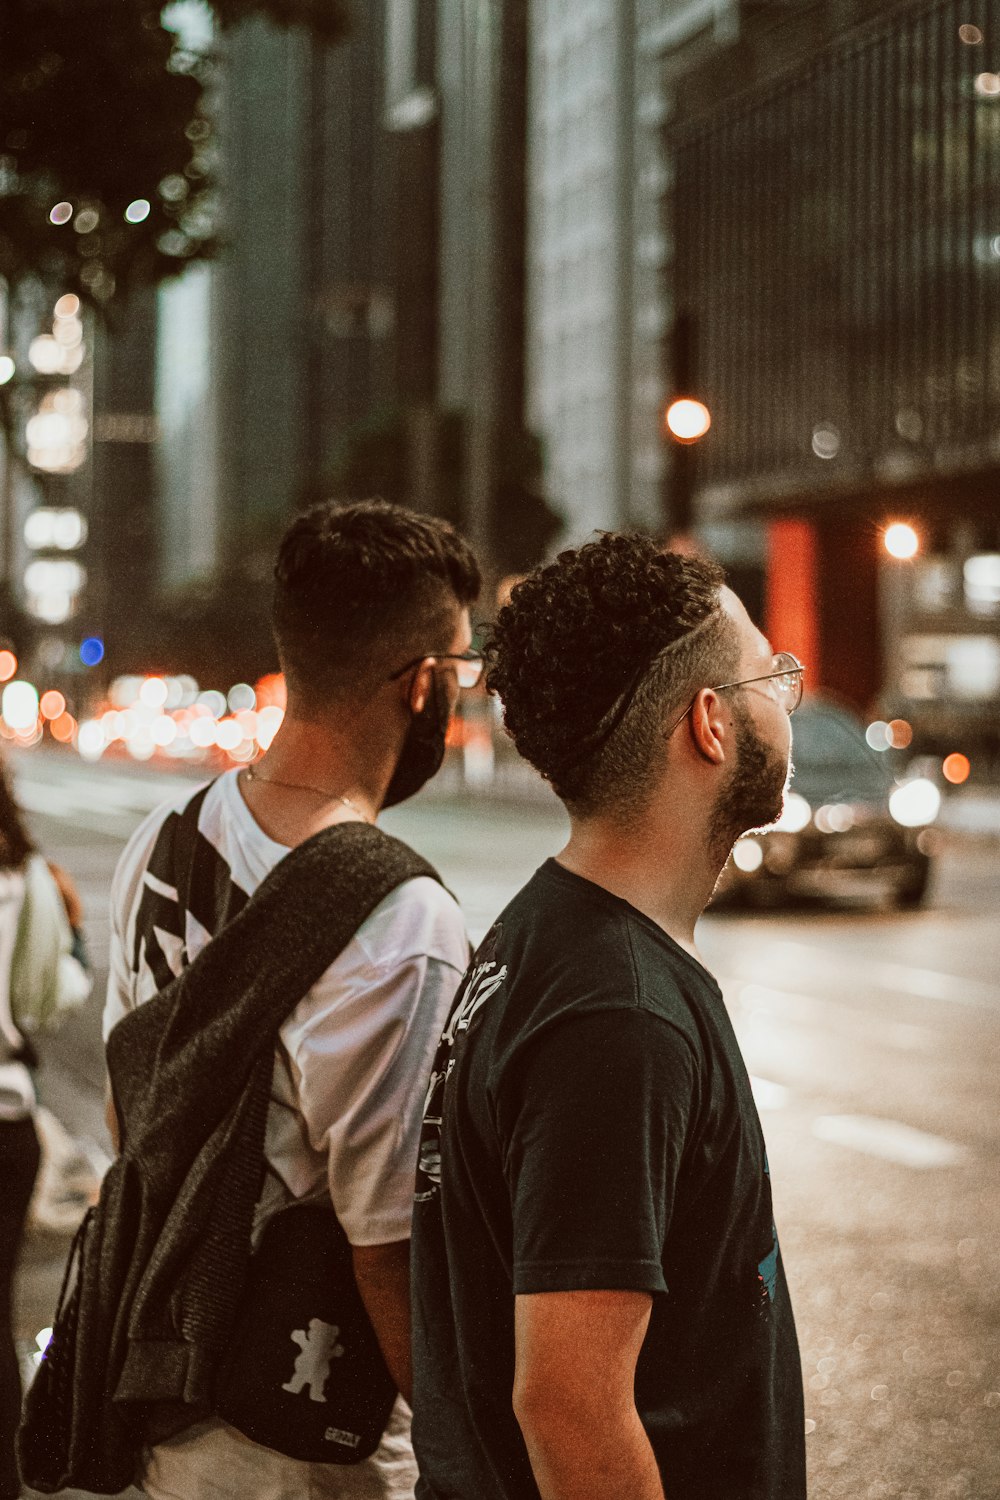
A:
[603,78]
[838,246]
[809,190]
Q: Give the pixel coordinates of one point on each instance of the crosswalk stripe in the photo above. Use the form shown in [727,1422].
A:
[889,1140]
[907,979]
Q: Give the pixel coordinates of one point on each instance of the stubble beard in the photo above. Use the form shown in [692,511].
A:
[754,795]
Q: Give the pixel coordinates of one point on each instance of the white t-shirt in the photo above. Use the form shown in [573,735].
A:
[353,1057]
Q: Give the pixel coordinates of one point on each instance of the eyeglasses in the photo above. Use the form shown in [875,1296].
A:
[468,665]
[786,674]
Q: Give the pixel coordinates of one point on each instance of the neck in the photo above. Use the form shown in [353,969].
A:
[334,765]
[658,863]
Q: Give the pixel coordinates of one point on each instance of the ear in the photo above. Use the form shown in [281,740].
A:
[711,727]
[417,689]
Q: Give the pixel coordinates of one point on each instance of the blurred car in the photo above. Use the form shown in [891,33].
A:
[849,827]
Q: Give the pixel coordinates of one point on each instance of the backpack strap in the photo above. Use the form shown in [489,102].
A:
[190,1071]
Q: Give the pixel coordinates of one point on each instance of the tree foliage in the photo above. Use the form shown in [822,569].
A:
[102,108]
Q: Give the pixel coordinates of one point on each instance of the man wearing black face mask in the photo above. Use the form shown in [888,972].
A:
[371,621]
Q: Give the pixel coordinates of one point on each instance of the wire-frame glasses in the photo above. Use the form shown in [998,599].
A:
[786,674]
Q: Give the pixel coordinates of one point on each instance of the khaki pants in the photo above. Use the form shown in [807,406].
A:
[214,1462]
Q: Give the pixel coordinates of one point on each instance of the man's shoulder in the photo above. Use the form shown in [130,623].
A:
[135,856]
[420,918]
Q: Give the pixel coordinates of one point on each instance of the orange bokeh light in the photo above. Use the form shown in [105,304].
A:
[8,665]
[271,691]
[901,734]
[63,728]
[956,768]
[687,420]
[901,541]
[52,705]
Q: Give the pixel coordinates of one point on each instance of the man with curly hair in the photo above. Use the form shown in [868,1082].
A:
[601,1310]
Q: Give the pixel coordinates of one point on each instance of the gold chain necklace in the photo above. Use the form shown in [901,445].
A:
[317,791]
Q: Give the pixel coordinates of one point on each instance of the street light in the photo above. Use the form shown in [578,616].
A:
[901,541]
[687,420]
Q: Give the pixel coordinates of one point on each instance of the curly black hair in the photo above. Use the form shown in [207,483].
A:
[359,588]
[580,661]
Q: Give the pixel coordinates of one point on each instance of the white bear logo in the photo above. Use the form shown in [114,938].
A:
[319,1346]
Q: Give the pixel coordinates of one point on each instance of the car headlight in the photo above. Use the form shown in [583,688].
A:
[796,814]
[915,803]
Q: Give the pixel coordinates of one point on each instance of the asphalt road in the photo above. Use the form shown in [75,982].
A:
[873,1040]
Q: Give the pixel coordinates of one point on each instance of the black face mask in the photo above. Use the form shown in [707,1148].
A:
[423,747]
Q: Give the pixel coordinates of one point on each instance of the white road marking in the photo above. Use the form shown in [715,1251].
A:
[90,800]
[890,1140]
[768,1095]
[807,1010]
[925,984]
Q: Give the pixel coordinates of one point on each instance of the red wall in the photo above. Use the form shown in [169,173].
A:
[822,602]
[792,613]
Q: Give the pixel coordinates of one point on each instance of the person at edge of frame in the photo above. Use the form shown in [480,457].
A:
[371,622]
[41,919]
[600,1304]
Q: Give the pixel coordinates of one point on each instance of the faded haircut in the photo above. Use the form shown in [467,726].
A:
[592,655]
[359,590]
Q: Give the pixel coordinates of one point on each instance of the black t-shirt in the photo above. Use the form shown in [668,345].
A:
[590,1125]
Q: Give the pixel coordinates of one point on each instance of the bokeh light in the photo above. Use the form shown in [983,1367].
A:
[63,729]
[915,803]
[61,213]
[92,651]
[214,701]
[956,768]
[900,734]
[241,696]
[7,369]
[901,541]
[137,211]
[52,705]
[20,705]
[153,692]
[825,441]
[879,735]
[748,856]
[228,734]
[272,691]
[687,420]
[8,665]
[90,739]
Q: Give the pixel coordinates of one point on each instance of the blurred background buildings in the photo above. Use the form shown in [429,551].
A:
[471,255]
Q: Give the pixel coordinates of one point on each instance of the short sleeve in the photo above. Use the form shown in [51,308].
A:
[593,1122]
[126,886]
[362,1045]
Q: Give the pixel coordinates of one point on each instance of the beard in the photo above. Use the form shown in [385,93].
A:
[754,795]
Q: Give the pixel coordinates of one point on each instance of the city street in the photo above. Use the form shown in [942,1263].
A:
[873,1040]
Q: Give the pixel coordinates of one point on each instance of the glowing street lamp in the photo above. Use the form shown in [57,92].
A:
[901,541]
[687,420]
